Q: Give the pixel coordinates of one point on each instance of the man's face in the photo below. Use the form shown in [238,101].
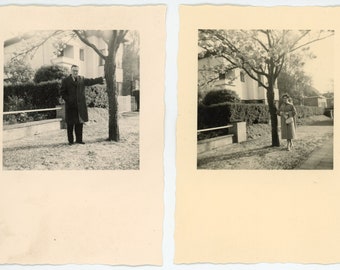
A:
[75,71]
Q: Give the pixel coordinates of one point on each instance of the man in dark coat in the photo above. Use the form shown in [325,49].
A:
[73,92]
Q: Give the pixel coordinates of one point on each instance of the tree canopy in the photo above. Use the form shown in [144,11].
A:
[261,53]
[18,71]
[31,42]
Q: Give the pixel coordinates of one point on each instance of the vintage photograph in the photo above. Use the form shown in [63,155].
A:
[265,99]
[71,100]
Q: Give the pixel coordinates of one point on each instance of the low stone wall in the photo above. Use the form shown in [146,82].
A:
[212,143]
[239,134]
[22,130]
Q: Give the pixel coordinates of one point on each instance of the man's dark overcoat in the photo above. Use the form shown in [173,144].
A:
[73,92]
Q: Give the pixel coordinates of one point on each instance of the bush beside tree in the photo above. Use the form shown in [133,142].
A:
[96,96]
[220,96]
[50,73]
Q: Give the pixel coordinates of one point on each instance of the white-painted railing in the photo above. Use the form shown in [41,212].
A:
[29,111]
[214,128]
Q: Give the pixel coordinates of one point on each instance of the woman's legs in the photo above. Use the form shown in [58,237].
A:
[289,144]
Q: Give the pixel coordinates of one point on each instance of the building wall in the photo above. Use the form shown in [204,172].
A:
[89,67]
[315,101]
[248,90]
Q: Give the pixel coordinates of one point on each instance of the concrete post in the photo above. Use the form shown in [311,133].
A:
[239,130]
[61,114]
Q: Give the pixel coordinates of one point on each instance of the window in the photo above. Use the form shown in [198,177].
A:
[228,75]
[242,76]
[81,55]
[68,51]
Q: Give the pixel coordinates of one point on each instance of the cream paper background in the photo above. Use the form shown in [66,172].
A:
[91,217]
[229,216]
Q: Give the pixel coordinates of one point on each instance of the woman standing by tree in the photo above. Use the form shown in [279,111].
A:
[287,112]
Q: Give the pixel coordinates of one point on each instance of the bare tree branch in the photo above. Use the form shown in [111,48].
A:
[88,43]
[299,38]
[312,41]
[34,48]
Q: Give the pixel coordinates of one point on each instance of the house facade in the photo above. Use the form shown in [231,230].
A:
[317,101]
[236,79]
[74,52]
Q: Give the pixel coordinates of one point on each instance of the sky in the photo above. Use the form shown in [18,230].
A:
[321,69]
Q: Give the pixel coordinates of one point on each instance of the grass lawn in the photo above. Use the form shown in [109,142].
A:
[50,151]
[258,153]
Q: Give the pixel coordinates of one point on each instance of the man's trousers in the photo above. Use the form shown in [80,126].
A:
[78,128]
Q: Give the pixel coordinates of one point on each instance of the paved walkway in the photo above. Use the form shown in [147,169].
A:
[320,159]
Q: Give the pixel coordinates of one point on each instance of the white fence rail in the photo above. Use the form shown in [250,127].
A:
[28,111]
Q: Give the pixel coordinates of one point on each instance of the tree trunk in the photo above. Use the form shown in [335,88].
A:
[273,116]
[109,70]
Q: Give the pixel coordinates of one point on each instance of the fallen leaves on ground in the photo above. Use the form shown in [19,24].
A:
[258,153]
[50,150]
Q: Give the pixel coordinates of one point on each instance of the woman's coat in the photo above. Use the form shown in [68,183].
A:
[288,131]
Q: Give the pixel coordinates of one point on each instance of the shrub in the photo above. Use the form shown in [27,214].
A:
[16,103]
[29,96]
[212,116]
[96,96]
[18,71]
[329,112]
[306,111]
[50,73]
[35,96]
[250,113]
[226,113]
[220,96]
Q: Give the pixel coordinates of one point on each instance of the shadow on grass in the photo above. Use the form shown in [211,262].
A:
[27,147]
[56,145]
[260,151]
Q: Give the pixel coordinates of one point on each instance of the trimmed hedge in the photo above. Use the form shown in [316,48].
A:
[212,116]
[29,96]
[32,96]
[226,113]
[250,113]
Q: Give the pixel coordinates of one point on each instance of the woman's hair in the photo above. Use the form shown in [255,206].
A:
[285,96]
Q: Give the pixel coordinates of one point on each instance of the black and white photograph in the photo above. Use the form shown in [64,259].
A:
[265,99]
[82,149]
[71,100]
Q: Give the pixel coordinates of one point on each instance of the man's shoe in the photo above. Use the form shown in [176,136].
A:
[70,143]
[80,142]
